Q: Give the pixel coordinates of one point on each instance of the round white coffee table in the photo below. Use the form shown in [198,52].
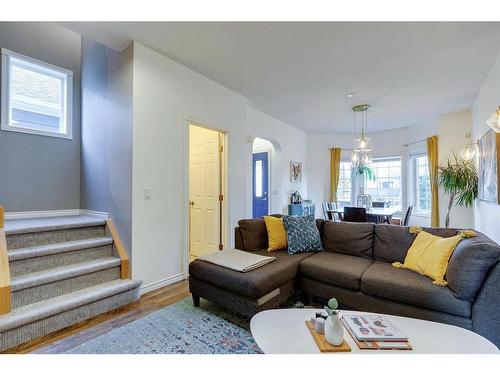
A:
[284,332]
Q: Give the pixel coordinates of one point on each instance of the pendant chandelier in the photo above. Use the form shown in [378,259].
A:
[494,120]
[360,154]
[469,150]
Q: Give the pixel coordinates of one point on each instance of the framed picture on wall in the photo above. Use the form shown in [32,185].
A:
[489,160]
[295,171]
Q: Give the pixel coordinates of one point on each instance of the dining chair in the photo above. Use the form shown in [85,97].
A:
[355,214]
[403,221]
[326,214]
[406,218]
[335,216]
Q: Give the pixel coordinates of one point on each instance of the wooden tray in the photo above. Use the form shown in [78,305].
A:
[323,345]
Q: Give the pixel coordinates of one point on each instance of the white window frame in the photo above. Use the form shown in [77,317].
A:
[353,180]
[412,183]
[66,127]
[394,158]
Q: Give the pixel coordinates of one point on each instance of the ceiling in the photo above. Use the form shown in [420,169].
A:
[300,72]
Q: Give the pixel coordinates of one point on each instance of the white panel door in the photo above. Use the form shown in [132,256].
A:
[204,175]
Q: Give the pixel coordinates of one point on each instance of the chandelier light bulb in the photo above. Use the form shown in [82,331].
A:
[354,159]
[362,143]
[468,153]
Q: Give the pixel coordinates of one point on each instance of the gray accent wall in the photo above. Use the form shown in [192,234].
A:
[106,165]
[39,172]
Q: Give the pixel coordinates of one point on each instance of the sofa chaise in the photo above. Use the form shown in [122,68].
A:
[355,267]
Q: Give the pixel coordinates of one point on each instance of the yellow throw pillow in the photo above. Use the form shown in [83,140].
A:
[276,233]
[429,254]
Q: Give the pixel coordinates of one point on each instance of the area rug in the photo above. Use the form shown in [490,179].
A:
[180,328]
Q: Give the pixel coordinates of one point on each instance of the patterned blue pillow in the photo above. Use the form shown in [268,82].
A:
[302,234]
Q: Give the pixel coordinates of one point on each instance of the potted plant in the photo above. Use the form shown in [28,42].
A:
[365,170]
[459,180]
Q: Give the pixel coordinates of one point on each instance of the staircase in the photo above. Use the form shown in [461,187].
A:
[63,270]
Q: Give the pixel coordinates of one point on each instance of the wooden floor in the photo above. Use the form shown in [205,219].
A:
[68,338]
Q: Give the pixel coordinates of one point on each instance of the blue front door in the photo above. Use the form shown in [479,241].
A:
[260,177]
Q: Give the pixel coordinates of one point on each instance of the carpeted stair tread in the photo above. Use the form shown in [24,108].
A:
[57,248]
[61,273]
[22,226]
[46,308]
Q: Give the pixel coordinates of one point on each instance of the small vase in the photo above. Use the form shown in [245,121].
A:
[334,330]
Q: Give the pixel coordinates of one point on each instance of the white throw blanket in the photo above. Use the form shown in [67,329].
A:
[237,260]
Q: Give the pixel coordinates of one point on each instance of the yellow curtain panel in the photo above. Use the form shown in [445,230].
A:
[432,155]
[334,172]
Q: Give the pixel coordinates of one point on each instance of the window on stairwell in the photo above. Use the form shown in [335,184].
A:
[37,97]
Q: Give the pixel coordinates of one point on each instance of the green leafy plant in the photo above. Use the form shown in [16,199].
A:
[459,180]
[332,307]
[367,171]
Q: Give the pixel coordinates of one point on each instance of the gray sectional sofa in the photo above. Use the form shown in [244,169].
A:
[355,267]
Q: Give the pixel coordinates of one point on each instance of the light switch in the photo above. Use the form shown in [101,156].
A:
[147,193]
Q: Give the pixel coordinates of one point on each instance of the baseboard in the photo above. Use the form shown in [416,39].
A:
[161,283]
[37,214]
[98,214]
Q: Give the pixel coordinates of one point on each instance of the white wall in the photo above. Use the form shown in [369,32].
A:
[486,102]
[289,144]
[451,130]
[166,96]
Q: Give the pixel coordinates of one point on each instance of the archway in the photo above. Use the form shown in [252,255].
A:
[263,156]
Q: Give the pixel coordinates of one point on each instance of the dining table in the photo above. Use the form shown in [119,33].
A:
[381,214]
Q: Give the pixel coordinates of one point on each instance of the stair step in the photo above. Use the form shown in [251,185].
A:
[38,319]
[44,257]
[23,233]
[57,248]
[33,287]
[45,224]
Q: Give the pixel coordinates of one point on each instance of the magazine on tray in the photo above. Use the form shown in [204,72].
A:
[379,345]
[372,328]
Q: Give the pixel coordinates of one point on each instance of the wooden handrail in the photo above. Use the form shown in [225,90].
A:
[5,305]
[2,214]
[120,249]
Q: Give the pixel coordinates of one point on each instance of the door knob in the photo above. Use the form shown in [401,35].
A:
[191,203]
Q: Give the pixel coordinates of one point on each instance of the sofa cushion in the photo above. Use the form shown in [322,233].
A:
[349,238]
[383,280]
[429,255]
[338,269]
[391,242]
[469,264]
[276,233]
[302,234]
[254,233]
[255,283]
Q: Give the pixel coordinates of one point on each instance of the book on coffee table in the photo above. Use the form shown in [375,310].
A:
[372,328]
[378,345]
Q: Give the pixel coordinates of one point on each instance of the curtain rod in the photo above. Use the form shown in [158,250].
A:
[412,143]
[407,144]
